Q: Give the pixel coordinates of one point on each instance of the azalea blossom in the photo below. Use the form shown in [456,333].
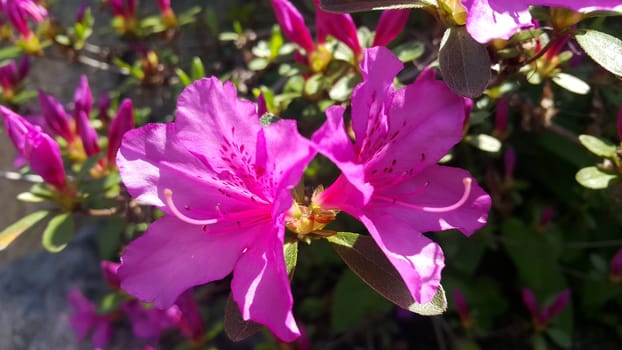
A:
[224,182]
[390,180]
[500,19]
[12,75]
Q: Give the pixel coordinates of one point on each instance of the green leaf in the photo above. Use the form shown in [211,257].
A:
[599,147]
[485,143]
[235,327]
[571,83]
[594,178]
[604,49]
[290,251]
[109,303]
[365,259]
[58,232]
[29,197]
[9,234]
[559,337]
[196,69]
[10,52]
[410,51]
[276,41]
[353,304]
[258,64]
[183,77]
[342,90]
[109,236]
[464,63]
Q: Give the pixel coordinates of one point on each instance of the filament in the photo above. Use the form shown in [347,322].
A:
[465,196]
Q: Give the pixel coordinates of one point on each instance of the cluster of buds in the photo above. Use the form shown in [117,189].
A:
[12,75]
[541,317]
[18,12]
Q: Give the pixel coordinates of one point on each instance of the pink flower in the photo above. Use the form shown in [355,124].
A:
[40,150]
[390,25]
[122,123]
[390,180]
[500,19]
[541,317]
[84,320]
[224,183]
[19,11]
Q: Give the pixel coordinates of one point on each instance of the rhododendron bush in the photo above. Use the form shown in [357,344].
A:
[326,174]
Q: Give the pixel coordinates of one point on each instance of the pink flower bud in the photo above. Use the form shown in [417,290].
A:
[390,25]
[37,147]
[619,124]
[123,122]
[615,269]
[509,159]
[82,98]
[339,26]
[547,215]
[463,309]
[541,317]
[103,104]
[55,116]
[292,24]
[262,108]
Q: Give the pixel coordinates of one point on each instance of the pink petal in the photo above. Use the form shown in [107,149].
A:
[151,160]
[261,287]
[424,121]
[417,259]
[215,125]
[435,187]
[173,256]
[371,99]
[123,122]
[332,141]
[284,154]
[494,19]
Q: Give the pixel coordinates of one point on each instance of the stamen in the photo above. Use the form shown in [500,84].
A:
[168,195]
[465,196]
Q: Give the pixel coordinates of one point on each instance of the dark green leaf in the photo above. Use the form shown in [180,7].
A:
[603,48]
[464,63]
[58,232]
[559,337]
[353,304]
[594,178]
[9,234]
[599,147]
[235,327]
[365,259]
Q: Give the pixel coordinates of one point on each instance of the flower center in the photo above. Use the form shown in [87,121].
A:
[311,218]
